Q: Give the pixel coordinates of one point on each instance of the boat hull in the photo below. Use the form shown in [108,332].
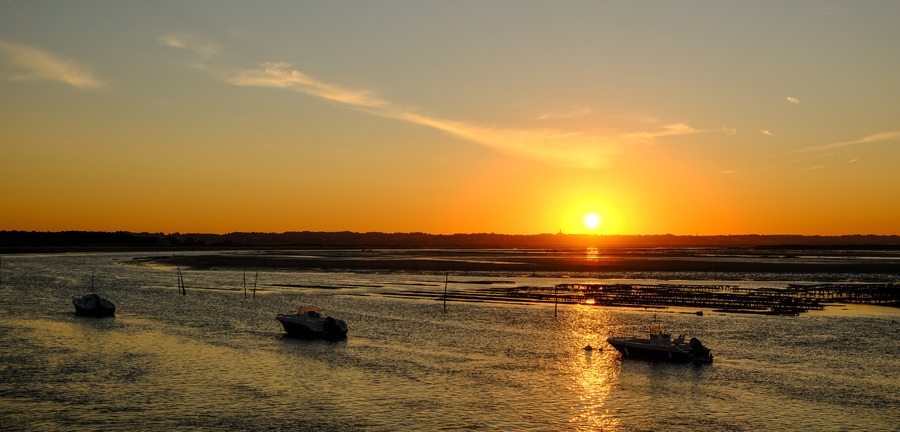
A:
[93,307]
[647,350]
[304,327]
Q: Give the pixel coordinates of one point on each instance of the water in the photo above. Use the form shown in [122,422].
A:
[215,360]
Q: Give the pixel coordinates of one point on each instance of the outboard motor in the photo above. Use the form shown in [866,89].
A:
[330,324]
[699,352]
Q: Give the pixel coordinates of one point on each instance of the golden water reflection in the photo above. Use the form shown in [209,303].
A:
[593,254]
[594,372]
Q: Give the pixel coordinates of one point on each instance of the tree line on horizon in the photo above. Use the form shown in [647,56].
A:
[14,240]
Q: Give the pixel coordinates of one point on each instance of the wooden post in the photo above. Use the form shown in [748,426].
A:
[255,279]
[555,301]
[446,280]
[180,279]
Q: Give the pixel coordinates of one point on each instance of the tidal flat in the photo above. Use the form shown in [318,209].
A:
[215,358]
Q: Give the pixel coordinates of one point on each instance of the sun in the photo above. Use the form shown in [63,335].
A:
[591,220]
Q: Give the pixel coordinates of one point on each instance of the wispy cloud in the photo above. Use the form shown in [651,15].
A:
[202,46]
[671,130]
[42,65]
[553,146]
[792,99]
[877,137]
[766,132]
[558,147]
[282,76]
[574,112]
[546,145]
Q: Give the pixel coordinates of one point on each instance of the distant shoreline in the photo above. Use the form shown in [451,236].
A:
[877,266]
[12,242]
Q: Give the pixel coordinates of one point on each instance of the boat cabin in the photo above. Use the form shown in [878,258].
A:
[309,310]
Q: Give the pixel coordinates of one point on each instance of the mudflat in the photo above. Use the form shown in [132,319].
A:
[535,261]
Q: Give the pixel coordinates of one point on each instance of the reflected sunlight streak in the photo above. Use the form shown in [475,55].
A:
[593,372]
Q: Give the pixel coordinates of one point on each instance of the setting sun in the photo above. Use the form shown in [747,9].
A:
[591,220]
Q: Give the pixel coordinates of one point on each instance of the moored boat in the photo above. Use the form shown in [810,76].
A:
[661,347]
[92,304]
[309,323]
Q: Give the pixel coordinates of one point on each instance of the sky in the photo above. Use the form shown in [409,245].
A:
[514,117]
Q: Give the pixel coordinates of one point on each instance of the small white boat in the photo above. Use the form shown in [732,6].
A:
[660,347]
[309,323]
[92,304]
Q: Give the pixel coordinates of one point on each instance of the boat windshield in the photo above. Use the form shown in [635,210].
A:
[305,309]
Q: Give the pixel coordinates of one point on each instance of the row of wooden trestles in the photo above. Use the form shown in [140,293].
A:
[794,299]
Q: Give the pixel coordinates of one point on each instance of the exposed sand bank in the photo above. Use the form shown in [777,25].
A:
[527,262]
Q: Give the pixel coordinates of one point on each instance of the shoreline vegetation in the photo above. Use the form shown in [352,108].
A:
[877,257]
[66,241]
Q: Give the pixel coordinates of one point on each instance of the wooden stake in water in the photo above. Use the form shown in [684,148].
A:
[555,301]
[446,280]
[255,280]
[245,282]
[180,279]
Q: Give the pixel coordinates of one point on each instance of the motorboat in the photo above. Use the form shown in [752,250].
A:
[309,323]
[92,304]
[660,346]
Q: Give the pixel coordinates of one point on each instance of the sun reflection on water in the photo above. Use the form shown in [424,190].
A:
[592,254]
[594,370]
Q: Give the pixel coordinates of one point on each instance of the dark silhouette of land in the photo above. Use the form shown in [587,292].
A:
[876,257]
[32,241]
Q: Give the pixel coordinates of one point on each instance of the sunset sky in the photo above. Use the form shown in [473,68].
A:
[516,117]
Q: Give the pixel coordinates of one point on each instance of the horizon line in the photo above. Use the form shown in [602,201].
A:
[560,233]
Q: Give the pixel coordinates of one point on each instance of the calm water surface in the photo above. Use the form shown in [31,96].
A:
[216,360]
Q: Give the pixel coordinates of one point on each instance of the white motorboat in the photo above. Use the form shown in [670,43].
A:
[309,323]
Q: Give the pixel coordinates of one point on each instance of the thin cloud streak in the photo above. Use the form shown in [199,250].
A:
[42,65]
[672,130]
[575,112]
[792,99]
[280,75]
[553,146]
[198,45]
[881,136]
[546,145]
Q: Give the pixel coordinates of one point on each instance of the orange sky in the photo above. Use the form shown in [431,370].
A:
[687,118]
